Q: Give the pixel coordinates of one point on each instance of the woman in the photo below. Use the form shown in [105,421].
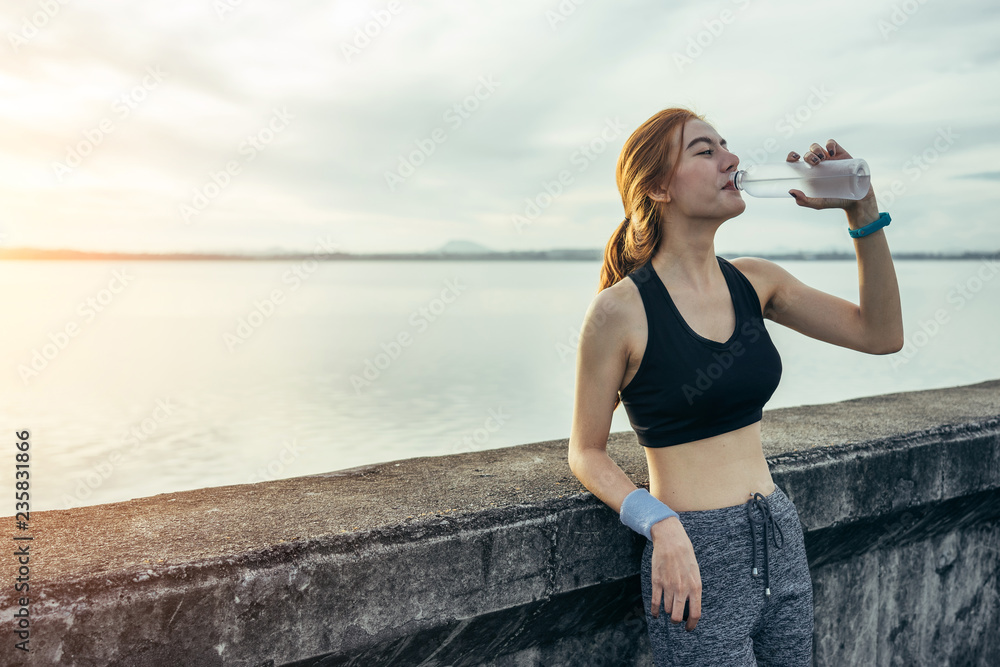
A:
[683,344]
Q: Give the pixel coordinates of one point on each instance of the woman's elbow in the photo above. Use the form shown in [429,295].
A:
[579,458]
[888,346]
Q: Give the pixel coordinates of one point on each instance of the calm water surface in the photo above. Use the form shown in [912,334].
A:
[139,378]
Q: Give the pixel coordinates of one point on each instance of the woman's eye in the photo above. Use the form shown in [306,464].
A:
[703,152]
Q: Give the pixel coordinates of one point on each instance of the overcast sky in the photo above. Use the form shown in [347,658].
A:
[398,126]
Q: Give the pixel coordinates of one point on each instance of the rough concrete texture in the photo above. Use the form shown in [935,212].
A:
[502,558]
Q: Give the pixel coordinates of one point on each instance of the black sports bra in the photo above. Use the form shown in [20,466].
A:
[688,387]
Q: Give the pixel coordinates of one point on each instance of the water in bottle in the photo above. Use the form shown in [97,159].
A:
[843,179]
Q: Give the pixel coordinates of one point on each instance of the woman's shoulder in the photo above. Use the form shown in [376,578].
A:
[619,313]
[764,275]
[617,300]
[756,269]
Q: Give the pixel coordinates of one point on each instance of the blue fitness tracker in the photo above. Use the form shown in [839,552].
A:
[882,220]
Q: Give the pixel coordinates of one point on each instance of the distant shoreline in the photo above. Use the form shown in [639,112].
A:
[524,255]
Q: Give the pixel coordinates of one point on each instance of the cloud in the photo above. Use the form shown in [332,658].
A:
[368,87]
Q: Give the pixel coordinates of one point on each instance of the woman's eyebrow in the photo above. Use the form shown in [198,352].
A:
[707,140]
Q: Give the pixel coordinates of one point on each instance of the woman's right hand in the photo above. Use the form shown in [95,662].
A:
[676,577]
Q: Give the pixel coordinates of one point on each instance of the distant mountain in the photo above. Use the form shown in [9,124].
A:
[462,247]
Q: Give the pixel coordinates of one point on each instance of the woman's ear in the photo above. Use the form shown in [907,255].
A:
[660,196]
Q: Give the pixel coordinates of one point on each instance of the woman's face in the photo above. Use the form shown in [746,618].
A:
[703,170]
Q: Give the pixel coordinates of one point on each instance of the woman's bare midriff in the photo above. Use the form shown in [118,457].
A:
[720,471]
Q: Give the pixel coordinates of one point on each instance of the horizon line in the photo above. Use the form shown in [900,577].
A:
[34,253]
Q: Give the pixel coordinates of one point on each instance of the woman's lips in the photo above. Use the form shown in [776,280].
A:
[730,186]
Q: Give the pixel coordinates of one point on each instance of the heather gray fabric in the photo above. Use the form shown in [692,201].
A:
[740,625]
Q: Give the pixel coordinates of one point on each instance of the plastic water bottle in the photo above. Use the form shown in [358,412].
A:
[843,179]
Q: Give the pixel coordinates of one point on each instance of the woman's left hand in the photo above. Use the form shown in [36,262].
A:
[814,156]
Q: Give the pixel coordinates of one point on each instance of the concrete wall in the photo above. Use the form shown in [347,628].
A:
[502,558]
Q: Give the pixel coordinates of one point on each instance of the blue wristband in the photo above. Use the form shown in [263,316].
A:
[640,510]
[880,222]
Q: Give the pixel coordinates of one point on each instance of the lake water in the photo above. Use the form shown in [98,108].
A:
[138,378]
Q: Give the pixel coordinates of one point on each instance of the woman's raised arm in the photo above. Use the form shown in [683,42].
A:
[876,325]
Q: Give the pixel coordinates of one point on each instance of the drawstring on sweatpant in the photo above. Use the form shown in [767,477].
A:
[760,502]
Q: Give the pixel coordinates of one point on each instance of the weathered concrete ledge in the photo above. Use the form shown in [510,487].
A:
[502,558]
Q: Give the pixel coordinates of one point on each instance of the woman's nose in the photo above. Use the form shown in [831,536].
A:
[733,162]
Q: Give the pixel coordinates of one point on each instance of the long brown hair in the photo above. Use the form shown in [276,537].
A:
[643,163]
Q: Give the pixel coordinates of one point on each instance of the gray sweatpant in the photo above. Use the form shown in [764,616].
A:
[740,625]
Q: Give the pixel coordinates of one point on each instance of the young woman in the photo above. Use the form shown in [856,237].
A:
[682,344]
